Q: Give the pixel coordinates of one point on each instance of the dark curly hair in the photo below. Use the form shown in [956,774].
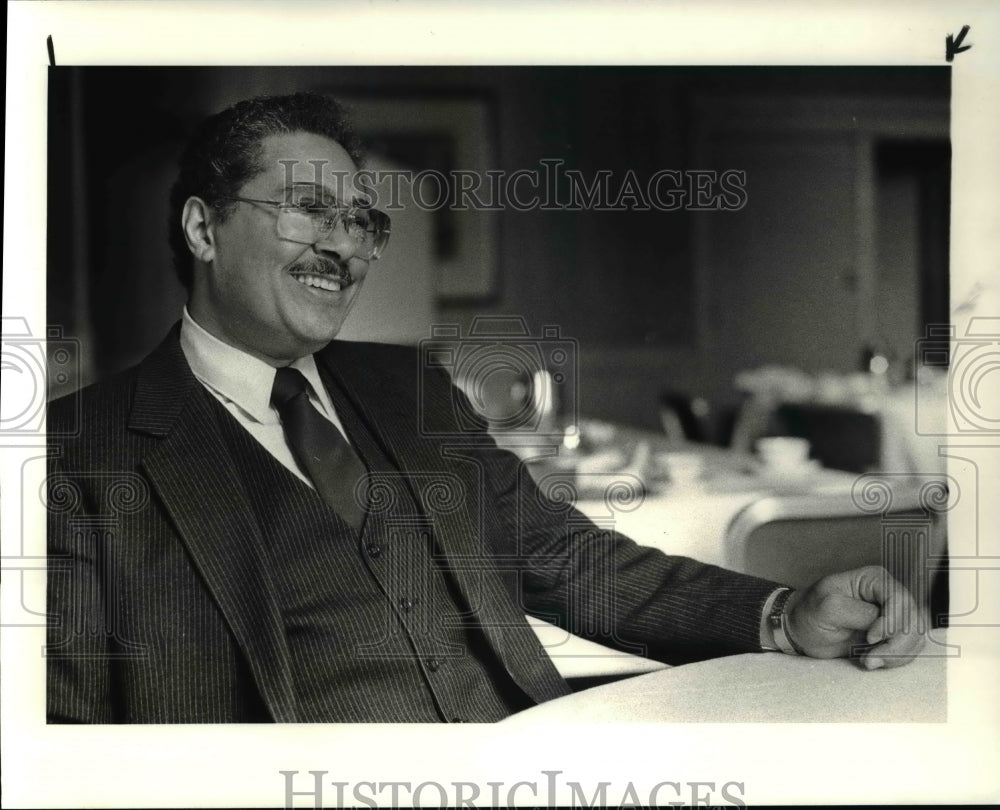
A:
[224,153]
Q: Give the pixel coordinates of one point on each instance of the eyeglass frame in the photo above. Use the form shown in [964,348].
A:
[339,211]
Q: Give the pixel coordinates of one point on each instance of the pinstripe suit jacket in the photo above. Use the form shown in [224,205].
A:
[159,602]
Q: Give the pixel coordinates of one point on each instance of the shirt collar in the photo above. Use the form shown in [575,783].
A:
[239,377]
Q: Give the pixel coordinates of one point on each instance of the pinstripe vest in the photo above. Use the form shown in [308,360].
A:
[376,630]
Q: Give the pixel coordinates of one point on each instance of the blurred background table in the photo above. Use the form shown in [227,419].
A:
[692,518]
[856,422]
[619,474]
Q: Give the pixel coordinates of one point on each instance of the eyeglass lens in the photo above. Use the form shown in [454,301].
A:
[369,229]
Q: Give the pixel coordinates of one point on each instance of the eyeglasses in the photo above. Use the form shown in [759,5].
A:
[309,223]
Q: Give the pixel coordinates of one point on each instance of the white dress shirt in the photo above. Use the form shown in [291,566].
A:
[242,383]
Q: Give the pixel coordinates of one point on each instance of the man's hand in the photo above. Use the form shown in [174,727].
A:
[864,607]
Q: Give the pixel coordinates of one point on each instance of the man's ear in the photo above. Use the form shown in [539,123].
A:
[197,220]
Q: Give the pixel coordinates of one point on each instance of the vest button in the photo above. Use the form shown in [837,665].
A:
[434,664]
[457,720]
[374,550]
[406,605]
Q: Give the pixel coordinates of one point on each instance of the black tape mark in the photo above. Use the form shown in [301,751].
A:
[953,45]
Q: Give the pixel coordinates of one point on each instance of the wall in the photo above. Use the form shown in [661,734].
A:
[623,284]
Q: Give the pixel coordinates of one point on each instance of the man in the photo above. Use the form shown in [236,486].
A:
[261,523]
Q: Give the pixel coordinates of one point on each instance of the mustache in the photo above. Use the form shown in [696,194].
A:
[324,267]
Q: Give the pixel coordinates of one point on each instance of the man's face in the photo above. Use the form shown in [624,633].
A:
[260,292]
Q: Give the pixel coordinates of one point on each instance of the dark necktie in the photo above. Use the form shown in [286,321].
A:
[335,469]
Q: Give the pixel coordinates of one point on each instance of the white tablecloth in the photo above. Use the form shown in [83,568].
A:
[764,687]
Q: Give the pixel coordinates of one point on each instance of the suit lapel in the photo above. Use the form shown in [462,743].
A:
[192,473]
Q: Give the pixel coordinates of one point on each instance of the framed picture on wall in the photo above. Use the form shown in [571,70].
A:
[434,141]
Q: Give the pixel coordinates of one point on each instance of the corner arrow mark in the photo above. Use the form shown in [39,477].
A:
[954,45]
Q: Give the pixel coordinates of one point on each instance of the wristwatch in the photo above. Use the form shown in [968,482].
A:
[777,621]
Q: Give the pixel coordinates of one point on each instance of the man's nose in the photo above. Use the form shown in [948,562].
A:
[337,244]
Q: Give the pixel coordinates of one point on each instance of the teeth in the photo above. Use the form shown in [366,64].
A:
[329,284]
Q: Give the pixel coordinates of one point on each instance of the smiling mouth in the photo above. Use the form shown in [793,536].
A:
[324,281]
